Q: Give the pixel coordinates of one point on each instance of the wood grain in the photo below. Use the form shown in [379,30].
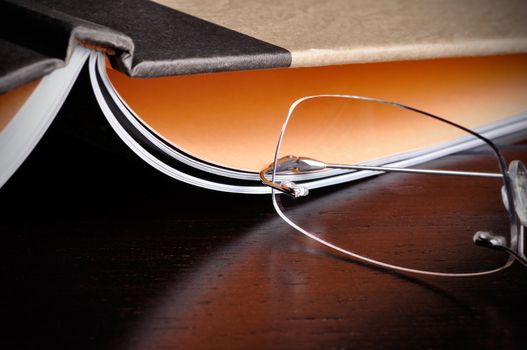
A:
[101,252]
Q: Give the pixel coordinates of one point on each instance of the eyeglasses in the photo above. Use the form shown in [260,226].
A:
[334,139]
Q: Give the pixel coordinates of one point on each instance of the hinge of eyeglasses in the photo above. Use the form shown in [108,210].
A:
[291,165]
[294,164]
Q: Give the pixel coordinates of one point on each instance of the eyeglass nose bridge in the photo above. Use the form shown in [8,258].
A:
[517,173]
[518,179]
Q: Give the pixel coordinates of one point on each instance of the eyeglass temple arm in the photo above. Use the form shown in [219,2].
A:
[414,171]
[301,165]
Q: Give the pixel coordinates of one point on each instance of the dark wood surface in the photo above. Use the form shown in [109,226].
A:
[102,252]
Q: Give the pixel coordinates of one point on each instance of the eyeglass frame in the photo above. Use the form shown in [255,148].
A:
[513,200]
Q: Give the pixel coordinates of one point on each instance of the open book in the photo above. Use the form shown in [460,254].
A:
[218,129]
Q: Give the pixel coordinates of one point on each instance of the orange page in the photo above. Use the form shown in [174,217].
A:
[233,119]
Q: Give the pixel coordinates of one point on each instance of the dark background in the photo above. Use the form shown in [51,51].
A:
[100,251]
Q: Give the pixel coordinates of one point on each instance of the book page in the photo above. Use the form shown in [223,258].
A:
[234,119]
[12,101]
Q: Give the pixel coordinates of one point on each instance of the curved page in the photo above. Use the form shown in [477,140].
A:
[233,119]
[29,110]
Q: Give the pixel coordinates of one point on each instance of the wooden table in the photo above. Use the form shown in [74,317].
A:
[101,252]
